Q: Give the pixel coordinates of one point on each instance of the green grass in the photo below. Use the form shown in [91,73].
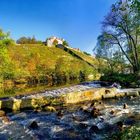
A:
[132,133]
[35,60]
[88,58]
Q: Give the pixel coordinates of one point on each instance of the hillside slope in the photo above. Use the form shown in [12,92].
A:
[90,60]
[39,61]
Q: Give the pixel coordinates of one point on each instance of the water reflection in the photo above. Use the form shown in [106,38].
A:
[24,89]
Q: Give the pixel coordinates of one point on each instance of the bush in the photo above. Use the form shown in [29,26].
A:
[87,53]
[124,79]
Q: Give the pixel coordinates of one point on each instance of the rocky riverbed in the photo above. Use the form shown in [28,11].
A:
[94,120]
[79,114]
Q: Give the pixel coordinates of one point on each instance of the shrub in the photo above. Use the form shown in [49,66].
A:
[124,79]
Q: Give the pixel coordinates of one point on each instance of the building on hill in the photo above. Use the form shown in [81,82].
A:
[76,49]
[53,41]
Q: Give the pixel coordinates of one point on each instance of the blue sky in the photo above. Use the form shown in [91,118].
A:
[77,21]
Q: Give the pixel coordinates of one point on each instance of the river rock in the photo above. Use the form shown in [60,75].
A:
[100,102]
[49,109]
[84,108]
[33,125]
[93,104]
[82,126]
[5,119]
[95,112]
[133,93]
[131,97]
[60,114]
[2,113]
[100,106]
[125,106]
[120,125]
[94,129]
[37,110]
[115,112]
[112,112]
[135,116]
[129,121]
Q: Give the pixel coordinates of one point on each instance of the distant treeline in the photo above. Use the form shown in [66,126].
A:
[28,40]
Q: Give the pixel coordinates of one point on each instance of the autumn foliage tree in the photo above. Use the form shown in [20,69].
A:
[6,65]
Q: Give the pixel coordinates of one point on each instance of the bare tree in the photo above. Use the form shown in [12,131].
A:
[121,28]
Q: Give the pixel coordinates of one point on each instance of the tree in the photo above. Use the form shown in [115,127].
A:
[65,43]
[87,53]
[6,66]
[60,72]
[81,76]
[110,60]
[28,40]
[5,40]
[121,30]
[22,40]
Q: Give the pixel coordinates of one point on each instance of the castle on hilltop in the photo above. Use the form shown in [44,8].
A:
[59,42]
[54,41]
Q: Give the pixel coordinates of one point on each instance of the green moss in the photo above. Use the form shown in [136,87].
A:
[132,133]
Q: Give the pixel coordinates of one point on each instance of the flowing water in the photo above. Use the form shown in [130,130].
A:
[72,122]
[25,89]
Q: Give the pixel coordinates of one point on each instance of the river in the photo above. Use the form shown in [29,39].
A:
[72,122]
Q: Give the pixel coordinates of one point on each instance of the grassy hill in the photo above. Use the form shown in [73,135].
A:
[87,58]
[38,63]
